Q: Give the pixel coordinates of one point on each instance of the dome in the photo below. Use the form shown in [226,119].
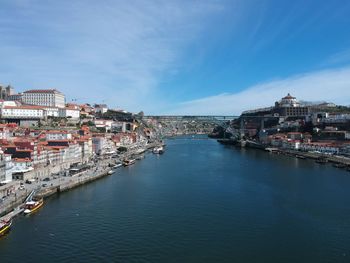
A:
[289,97]
[289,101]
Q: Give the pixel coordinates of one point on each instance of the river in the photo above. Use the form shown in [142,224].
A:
[198,202]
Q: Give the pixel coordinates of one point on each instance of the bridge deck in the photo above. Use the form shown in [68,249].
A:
[195,117]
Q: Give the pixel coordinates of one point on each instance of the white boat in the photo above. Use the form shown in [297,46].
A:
[158,150]
[32,206]
[117,165]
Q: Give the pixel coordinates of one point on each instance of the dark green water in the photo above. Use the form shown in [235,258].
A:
[199,202]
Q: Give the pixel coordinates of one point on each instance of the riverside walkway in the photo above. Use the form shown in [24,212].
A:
[12,205]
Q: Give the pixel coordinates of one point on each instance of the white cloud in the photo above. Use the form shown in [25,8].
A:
[328,85]
[120,51]
[338,58]
[115,50]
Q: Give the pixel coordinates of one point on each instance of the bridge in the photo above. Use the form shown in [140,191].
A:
[203,118]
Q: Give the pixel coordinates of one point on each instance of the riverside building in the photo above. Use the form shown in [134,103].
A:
[288,106]
[45,97]
[22,112]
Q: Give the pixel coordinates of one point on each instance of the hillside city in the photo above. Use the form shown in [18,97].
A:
[49,145]
[318,128]
[44,138]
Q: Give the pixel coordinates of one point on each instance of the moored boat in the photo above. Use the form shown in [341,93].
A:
[128,162]
[5,226]
[117,165]
[32,206]
[158,150]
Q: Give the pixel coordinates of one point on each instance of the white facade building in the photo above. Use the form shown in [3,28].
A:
[2,169]
[8,103]
[22,165]
[52,111]
[4,132]
[23,112]
[69,112]
[58,135]
[319,147]
[48,97]
[75,153]
[86,149]
[101,108]
[101,123]
[9,167]
[6,168]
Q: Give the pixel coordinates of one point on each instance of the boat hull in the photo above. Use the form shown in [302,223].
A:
[158,150]
[5,229]
[129,162]
[34,209]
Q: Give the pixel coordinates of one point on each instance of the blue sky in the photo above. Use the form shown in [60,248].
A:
[178,57]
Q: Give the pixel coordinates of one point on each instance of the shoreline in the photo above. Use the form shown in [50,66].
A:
[336,160]
[65,183]
[333,159]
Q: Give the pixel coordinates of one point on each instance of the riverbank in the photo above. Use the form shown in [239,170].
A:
[334,159]
[103,167]
[337,160]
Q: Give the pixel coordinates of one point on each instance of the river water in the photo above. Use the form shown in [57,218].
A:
[198,202]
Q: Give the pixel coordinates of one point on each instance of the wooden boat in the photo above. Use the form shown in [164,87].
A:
[32,206]
[5,226]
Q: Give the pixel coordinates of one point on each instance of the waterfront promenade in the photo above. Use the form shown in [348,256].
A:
[335,159]
[59,182]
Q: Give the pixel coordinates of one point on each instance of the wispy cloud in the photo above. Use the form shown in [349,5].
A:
[116,51]
[121,52]
[338,58]
[328,85]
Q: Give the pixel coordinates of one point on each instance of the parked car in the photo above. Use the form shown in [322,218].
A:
[46,179]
